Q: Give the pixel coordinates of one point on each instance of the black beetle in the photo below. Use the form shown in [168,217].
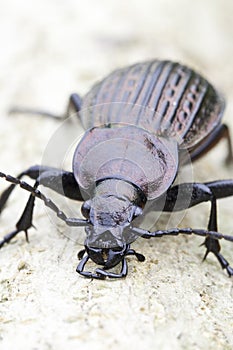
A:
[149,117]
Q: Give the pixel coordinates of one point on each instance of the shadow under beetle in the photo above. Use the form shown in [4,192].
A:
[140,158]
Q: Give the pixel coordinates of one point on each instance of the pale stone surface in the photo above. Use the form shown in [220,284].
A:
[171,301]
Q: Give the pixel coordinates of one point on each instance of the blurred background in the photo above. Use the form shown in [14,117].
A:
[50,49]
[69,45]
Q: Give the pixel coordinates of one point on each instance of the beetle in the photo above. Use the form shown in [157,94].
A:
[150,115]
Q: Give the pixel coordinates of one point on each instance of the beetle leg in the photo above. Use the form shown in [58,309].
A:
[211,244]
[187,195]
[221,188]
[211,236]
[184,196]
[25,221]
[220,132]
[25,110]
[58,180]
[210,191]
[74,105]
[176,199]
[62,182]
[47,201]
[33,172]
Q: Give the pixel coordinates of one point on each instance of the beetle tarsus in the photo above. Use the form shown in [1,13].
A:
[213,246]
[4,197]
[7,238]
[74,105]
[23,224]
[224,263]
[20,110]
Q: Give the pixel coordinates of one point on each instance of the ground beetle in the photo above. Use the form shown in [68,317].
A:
[150,116]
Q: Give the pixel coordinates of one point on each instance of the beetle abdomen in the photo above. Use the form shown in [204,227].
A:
[160,96]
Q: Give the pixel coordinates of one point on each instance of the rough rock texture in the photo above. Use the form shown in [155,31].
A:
[171,301]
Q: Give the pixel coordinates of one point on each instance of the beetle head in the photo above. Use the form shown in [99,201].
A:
[110,217]
[110,212]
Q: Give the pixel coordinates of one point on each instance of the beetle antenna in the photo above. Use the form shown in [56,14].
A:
[47,201]
[176,231]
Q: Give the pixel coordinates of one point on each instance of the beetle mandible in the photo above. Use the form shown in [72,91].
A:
[140,156]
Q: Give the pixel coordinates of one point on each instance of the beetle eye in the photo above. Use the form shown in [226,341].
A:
[85,209]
